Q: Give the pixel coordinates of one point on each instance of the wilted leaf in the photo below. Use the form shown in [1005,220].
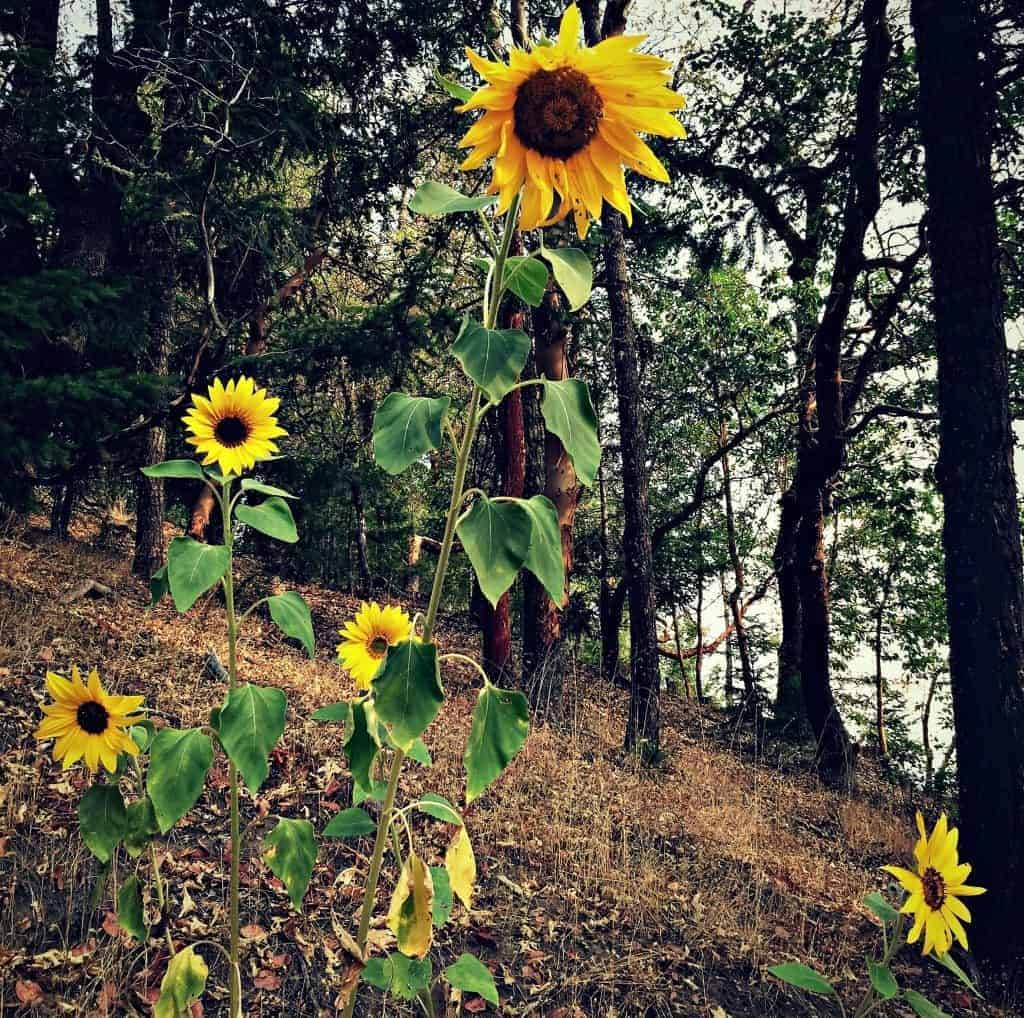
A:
[409,916]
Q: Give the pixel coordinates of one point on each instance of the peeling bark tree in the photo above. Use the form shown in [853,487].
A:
[981,530]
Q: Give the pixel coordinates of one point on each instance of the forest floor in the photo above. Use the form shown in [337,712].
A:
[605,888]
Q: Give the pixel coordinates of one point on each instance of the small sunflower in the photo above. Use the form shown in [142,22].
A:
[366,638]
[936,889]
[235,426]
[563,119]
[88,722]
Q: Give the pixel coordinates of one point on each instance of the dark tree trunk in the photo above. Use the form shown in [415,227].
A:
[735,599]
[609,621]
[981,530]
[789,704]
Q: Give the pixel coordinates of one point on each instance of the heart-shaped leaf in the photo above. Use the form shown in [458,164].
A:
[501,722]
[573,273]
[496,536]
[438,807]
[129,909]
[527,278]
[410,914]
[472,976]
[405,427]
[569,414]
[251,721]
[435,199]
[402,977]
[407,692]
[183,983]
[544,558]
[193,568]
[350,823]
[493,358]
[248,484]
[291,613]
[189,470]
[102,820]
[882,979]
[340,711]
[140,827]
[291,856]
[272,517]
[178,762]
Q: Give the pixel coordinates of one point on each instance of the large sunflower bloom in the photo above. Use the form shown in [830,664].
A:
[88,722]
[563,119]
[936,889]
[235,426]
[366,638]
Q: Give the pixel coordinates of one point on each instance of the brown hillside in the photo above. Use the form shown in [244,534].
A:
[605,889]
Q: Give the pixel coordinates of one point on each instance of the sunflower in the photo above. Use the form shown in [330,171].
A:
[366,638]
[235,426]
[936,889]
[88,722]
[563,119]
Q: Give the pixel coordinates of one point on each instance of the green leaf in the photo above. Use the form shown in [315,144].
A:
[129,910]
[193,568]
[407,691]
[178,762]
[471,975]
[350,823]
[434,199]
[527,278]
[188,469]
[291,613]
[493,358]
[419,752]
[272,517]
[102,820]
[803,977]
[142,733]
[501,721]
[444,899]
[251,722]
[946,961]
[248,484]
[881,908]
[340,711]
[544,559]
[183,983]
[159,586]
[375,793]
[291,856]
[438,807]
[569,414]
[404,977]
[496,536]
[361,747]
[405,427]
[453,88]
[573,273]
[882,979]
[140,826]
[922,1006]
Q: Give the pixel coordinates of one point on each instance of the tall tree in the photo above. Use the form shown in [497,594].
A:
[981,530]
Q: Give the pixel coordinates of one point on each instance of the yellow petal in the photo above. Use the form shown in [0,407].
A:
[569,31]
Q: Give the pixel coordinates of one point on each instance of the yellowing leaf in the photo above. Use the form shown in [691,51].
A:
[410,917]
[461,865]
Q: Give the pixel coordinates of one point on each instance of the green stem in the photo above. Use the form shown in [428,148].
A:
[161,898]
[493,291]
[235,972]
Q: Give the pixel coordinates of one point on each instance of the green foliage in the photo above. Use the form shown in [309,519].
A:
[405,427]
[407,691]
[193,568]
[291,613]
[350,823]
[438,807]
[129,909]
[802,977]
[501,722]
[493,358]
[248,727]
[527,278]
[404,977]
[183,983]
[291,856]
[573,272]
[140,826]
[178,762]
[102,820]
[496,535]
[544,558]
[471,975]
[569,414]
[272,517]
[435,199]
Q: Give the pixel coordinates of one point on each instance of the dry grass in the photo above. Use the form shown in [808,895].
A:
[606,888]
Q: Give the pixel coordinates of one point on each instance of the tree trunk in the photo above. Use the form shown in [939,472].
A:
[362,538]
[730,682]
[610,619]
[981,529]
[698,664]
[789,704]
[883,742]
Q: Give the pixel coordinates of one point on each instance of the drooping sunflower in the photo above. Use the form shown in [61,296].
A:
[88,722]
[366,638]
[936,888]
[562,119]
[235,426]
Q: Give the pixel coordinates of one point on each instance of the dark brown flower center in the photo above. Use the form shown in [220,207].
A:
[934,889]
[231,431]
[92,717]
[379,646]
[557,112]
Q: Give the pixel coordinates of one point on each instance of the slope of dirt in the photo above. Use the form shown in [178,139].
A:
[604,888]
